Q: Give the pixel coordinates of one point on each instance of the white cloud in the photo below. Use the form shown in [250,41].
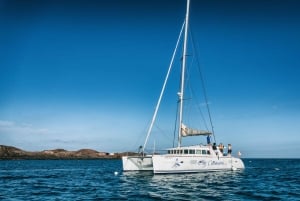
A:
[10,127]
[6,123]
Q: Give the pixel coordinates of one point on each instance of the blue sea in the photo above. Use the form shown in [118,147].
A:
[263,179]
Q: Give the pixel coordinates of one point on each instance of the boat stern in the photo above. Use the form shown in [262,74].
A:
[137,163]
[237,163]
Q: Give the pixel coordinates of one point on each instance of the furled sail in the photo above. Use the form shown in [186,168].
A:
[185,131]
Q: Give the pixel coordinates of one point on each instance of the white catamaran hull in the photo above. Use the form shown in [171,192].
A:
[186,164]
[137,163]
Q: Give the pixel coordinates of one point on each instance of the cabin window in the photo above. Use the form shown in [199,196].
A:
[169,151]
[208,152]
[192,151]
[180,151]
[186,151]
[204,152]
[198,151]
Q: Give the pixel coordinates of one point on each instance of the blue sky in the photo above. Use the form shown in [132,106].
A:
[87,74]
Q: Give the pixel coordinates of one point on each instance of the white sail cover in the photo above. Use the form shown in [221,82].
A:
[185,131]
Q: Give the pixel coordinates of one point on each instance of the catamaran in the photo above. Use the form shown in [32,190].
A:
[184,159]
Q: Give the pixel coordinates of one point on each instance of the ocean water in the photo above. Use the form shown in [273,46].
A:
[263,179]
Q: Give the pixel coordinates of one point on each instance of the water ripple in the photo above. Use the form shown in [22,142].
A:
[95,180]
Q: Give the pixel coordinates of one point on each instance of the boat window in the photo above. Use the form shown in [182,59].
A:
[177,151]
[198,151]
[186,151]
[204,152]
[192,151]
[180,151]
[169,151]
[208,152]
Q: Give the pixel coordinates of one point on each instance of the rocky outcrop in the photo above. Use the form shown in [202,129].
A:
[11,153]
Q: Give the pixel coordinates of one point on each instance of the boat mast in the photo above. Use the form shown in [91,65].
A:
[183,71]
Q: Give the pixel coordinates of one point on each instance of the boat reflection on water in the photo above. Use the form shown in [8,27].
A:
[204,185]
[208,185]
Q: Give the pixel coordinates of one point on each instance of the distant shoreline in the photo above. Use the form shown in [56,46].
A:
[13,153]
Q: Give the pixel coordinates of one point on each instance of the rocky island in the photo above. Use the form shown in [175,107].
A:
[13,153]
